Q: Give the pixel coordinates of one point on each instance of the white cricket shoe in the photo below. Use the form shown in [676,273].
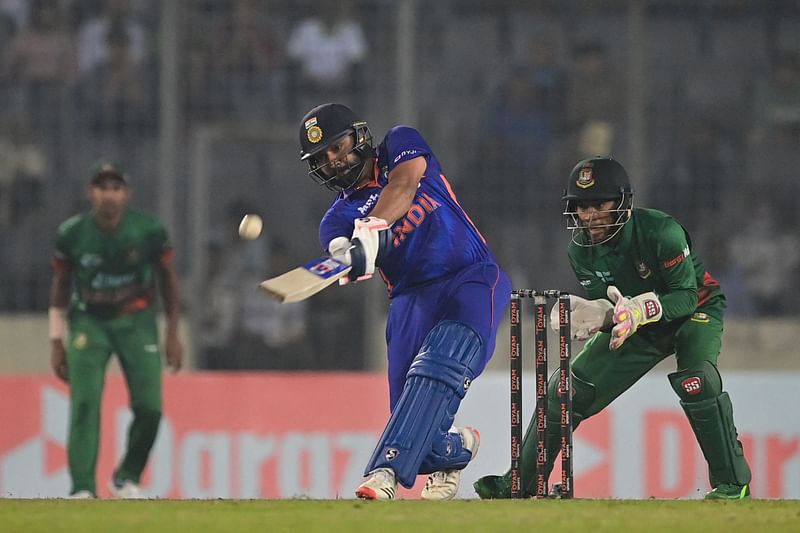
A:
[81,495]
[125,489]
[443,485]
[380,485]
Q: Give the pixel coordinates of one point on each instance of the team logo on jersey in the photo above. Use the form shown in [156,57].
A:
[702,318]
[585,178]
[80,341]
[91,260]
[314,134]
[642,269]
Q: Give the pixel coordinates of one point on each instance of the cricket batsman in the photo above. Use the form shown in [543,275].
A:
[107,265]
[396,214]
[649,297]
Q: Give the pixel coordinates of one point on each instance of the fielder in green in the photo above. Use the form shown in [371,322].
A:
[649,297]
[107,265]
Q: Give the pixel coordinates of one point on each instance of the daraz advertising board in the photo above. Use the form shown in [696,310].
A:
[288,435]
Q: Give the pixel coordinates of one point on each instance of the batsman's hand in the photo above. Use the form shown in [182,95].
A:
[631,313]
[364,250]
[588,316]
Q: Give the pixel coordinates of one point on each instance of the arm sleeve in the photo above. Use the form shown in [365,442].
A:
[677,270]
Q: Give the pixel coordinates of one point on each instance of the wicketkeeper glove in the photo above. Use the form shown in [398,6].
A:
[588,316]
[631,313]
[364,250]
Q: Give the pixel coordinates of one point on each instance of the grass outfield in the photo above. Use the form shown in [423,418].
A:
[344,516]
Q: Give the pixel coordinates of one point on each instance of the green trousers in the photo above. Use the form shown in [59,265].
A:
[610,373]
[134,339]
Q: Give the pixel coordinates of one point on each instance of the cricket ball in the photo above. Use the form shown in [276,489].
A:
[250,227]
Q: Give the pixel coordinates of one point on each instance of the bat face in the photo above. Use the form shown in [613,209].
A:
[305,281]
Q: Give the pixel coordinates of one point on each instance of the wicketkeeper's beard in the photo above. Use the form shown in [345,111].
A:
[598,235]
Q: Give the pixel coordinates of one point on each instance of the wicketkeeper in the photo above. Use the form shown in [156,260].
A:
[649,297]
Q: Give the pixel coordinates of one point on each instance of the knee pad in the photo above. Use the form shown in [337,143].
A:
[696,384]
[710,413]
[437,380]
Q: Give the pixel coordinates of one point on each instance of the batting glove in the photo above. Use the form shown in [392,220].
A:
[588,316]
[631,313]
[364,250]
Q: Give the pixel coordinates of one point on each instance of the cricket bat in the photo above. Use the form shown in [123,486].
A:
[305,281]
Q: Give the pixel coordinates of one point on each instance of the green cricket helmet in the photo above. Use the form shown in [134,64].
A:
[592,182]
[321,127]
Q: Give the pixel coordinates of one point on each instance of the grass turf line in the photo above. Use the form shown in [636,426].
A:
[344,516]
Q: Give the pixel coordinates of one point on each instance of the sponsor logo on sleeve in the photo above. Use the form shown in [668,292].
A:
[405,153]
[677,259]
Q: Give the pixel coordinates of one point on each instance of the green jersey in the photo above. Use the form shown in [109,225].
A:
[653,252]
[113,273]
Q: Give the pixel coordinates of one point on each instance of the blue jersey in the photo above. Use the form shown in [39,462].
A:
[434,240]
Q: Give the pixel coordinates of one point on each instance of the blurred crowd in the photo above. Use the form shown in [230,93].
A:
[514,94]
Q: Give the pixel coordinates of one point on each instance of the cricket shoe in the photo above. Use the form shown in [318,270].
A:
[125,489]
[443,485]
[380,485]
[81,495]
[493,487]
[729,491]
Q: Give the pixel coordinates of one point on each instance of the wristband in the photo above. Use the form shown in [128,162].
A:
[57,319]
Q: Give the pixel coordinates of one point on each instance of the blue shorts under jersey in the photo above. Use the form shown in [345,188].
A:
[477,296]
